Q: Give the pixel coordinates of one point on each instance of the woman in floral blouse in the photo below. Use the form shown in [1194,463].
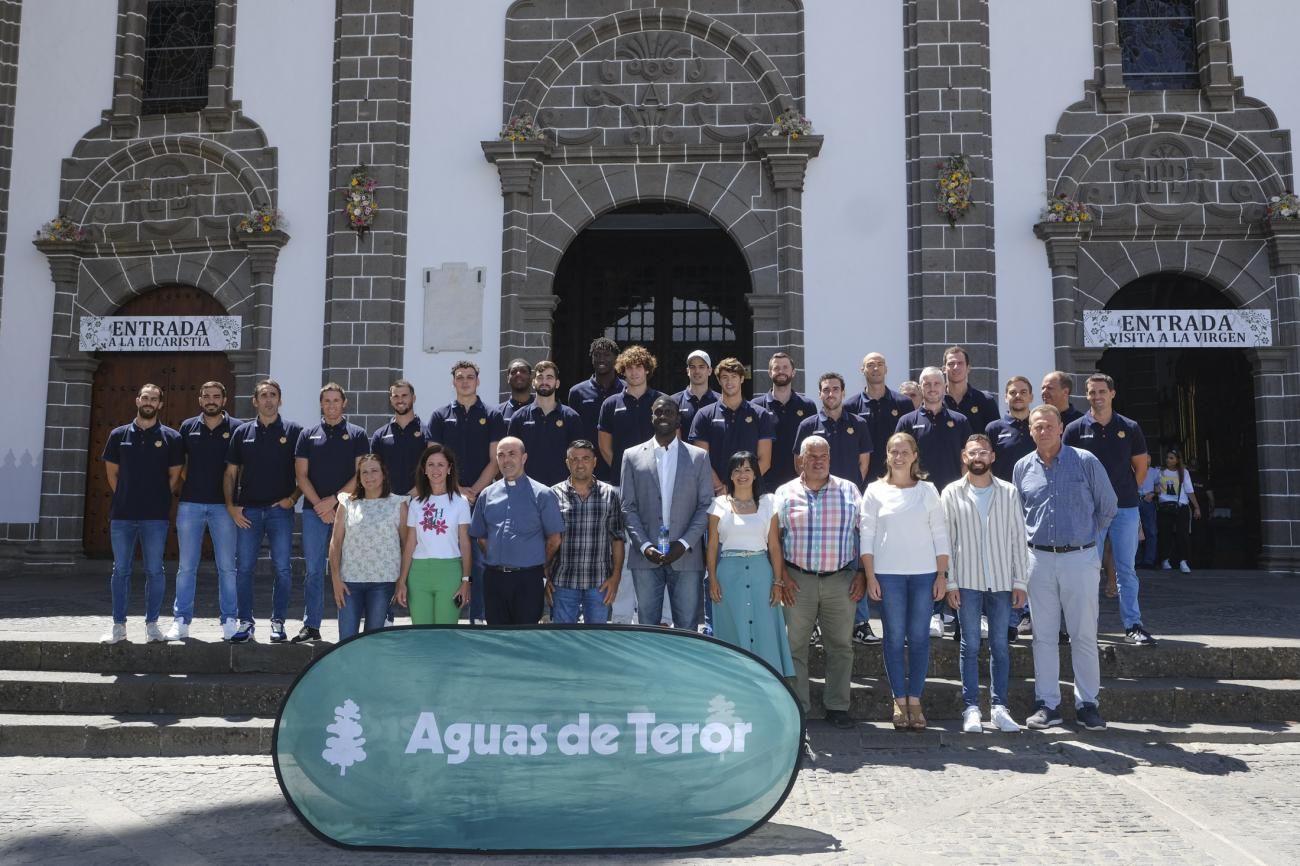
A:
[366,548]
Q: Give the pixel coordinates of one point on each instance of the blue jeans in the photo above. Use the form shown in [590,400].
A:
[152,537]
[997,607]
[276,525]
[1123,532]
[369,600]
[906,604]
[1148,550]
[565,604]
[866,607]
[683,593]
[315,551]
[191,519]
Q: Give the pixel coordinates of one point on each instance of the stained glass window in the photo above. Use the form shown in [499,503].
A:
[1158,44]
[179,39]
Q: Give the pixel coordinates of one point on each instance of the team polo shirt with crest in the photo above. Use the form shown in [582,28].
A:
[469,433]
[940,436]
[1115,445]
[688,404]
[1011,441]
[586,398]
[627,420]
[546,438]
[205,458]
[265,457]
[881,414]
[979,407]
[849,438]
[730,430]
[788,416]
[400,449]
[508,409]
[144,458]
[331,451]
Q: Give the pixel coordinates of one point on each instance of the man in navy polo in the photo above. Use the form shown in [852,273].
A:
[880,406]
[697,394]
[400,442]
[261,488]
[206,439]
[979,407]
[589,395]
[143,462]
[625,416]
[519,378]
[1010,433]
[325,462]
[471,431]
[789,409]
[940,431]
[546,427]
[848,434]
[732,424]
[1118,443]
[1055,391]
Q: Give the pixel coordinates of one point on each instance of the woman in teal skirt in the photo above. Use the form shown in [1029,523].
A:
[746,569]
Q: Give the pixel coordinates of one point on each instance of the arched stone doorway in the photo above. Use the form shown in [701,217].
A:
[1201,400]
[658,275]
[117,380]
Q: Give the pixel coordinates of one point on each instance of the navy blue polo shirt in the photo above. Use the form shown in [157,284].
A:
[1115,445]
[1070,415]
[469,433]
[940,438]
[546,438]
[688,404]
[265,455]
[881,415]
[586,398]
[144,459]
[727,431]
[507,409]
[400,449]
[979,407]
[849,438]
[627,419]
[1011,441]
[331,452]
[788,417]
[205,458]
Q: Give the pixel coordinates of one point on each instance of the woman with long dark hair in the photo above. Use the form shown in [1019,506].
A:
[436,558]
[365,549]
[1176,506]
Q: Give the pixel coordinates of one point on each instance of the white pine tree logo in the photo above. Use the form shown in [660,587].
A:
[344,748]
[721,710]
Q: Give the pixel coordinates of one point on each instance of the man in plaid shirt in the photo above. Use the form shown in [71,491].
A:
[589,564]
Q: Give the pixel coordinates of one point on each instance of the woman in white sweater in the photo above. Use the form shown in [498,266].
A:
[905,554]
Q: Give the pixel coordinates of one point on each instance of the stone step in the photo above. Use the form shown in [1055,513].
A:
[133,736]
[192,657]
[249,694]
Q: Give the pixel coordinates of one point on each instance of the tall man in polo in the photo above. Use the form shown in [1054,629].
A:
[978,406]
[1118,443]
[401,441]
[732,424]
[696,395]
[586,573]
[880,406]
[625,416]
[519,378]
[789,409]
[1068,504]
[518,526]
[261,488]
[589,395]
[143,461]
[546,427]
[818,517]
[939,430]
[325,463]
[1010,433]
[847,433]
[1055,391]
[206,439]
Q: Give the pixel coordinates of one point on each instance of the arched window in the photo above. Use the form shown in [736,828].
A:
[1158,44]
[180,40]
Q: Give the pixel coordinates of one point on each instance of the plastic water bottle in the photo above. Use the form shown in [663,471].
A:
[664,544]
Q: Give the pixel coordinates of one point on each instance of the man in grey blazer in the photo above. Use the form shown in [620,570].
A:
[667,487]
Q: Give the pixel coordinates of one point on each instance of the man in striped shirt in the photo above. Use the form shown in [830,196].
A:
[818,516]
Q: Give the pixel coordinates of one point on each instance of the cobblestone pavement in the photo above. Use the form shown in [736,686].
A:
[1093,800]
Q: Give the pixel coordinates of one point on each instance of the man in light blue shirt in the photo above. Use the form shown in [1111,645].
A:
[1068,502]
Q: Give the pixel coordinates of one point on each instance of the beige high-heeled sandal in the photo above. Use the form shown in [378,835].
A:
[902,720]
[916,718]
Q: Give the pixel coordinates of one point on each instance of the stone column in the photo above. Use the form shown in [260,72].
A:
[1062,243]
[1277,390]
[253,361]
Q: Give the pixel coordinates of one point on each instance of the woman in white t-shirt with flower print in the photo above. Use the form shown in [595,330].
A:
[436,558]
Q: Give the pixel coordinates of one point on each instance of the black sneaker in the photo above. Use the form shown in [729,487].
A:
[307,633]
[1138,636]
[816,636]
[863,634]
[1012,634]
[1089,718]
[840,719]
[1046,717]
[1063,638]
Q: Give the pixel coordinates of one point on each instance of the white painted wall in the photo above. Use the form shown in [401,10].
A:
[1259,32]
[65,79]
[1034,79]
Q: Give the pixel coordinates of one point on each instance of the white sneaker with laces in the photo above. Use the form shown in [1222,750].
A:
[1001,718]
[970,721]
[153,634]
[936,626]
[1165,566]
[116,634]
[228,628]
[984,628]
[1184,567]
[178,631]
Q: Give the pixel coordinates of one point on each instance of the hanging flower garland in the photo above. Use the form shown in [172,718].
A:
[63,230]
[359,201]
[954,188]
[1284,207]
[521,128]
[790,124]
[1061,208]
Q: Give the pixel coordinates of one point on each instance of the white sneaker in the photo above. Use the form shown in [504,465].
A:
[970,721]
[178,631]
[228,628]
[936,626]
[1001,719]
[153,634]
[116,634]
[1184,567]
[1165,565]
[984,628]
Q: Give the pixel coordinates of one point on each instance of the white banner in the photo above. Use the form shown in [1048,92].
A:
[160,333]
[1177,329]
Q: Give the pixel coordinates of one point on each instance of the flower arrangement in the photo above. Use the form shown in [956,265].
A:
[359,200]
[1284,207]
[261,220]
[63,230]
[1061,208]
[954,188]
[521,128]
[790,124]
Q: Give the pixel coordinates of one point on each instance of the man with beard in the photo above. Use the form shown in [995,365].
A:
[546,427]
[401,441]
[789,409]
[988,575]
[880,407]
[519,376]
[143,462]
[697,394]
[1010,433]
[589,395]
[979,407]
[732,424]
[206,439]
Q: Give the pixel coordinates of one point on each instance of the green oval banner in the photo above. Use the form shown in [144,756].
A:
[536,738]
